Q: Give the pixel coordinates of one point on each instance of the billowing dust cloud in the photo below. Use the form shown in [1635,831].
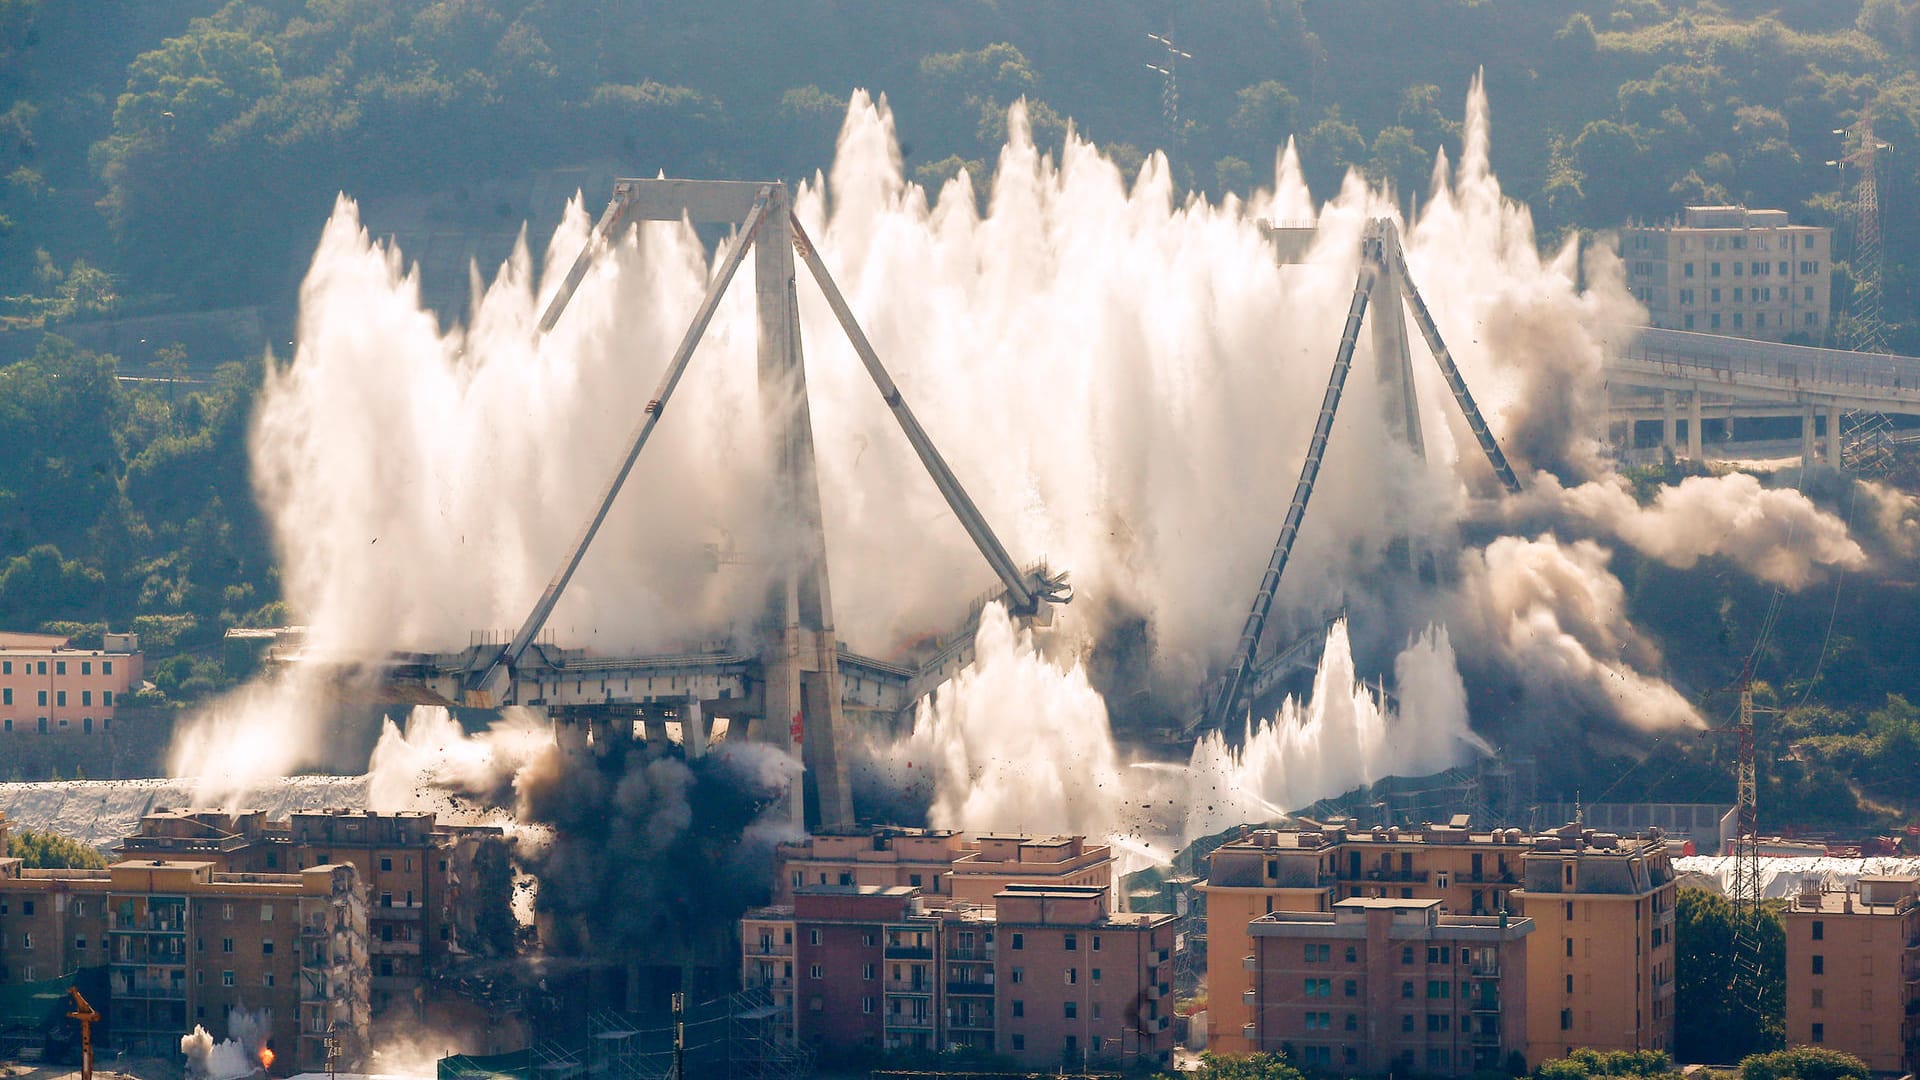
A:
[1125,381]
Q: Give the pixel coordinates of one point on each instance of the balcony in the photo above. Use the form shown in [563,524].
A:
[395,982]
[389,912]
[1249,997]
[393,948]
[908,952]
[1486,969]
[1156,991]
[1486,1038]
[971,988]
[1483,1004]
[910,1022]
[151,992]
[766,948]
[1377,874]
[1250,963]
[970,1023]
[971,954]
[911,989]
[771,982]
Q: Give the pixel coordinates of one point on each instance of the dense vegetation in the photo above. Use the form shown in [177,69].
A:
[51,851]
[1730,977]
[173,157]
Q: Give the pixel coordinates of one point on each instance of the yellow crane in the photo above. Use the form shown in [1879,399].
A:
[88,1016]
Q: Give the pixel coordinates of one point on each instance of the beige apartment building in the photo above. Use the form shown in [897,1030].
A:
[410,866]
[1731,270]
[939,862]
[1853,971]
[185,945]
[1624,1003]
[1600,964]
[1381,985]
[48,687]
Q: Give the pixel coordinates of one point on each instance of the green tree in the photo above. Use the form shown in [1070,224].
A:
[1240,1067]
[1804,1063]
[1584,1063]
[51,851]
[1264,115]
[1724,1010]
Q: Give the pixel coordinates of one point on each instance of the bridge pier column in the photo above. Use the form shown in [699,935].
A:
[1669,423]
[1807,456]
[1833,435]
[693,729]
[1693,425]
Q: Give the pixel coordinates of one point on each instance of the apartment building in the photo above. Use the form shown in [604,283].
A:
[1600,965]
[1731,270]
[939,862]
[1048,975]
[1622,1004]
[1313,868]
[405,861]
[1853,971]
[1380,985]
[1079,983]
[185,945]
[46,686]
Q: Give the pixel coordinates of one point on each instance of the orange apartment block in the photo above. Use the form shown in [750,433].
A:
[1470,872]
[414,871]
[46,686]
[1853,971]
[1048,975]
[185,945]
[1381,985]
[939,862]
[1589,895]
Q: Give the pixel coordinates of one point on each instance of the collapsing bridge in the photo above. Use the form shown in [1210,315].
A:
[797,685]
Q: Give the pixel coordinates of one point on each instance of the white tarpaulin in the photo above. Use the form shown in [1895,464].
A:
[1781,877]
[100,812]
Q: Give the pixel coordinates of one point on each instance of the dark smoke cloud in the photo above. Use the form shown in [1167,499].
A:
[651,854]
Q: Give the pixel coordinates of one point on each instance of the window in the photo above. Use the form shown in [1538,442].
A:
[1096,943]
[815,971]
[1819,1033]
[1319,1021]
[1737,268]
[1759,320]
[866,1005]
[1319,954]
[1566,1019]
[226,978]
[26,939]
[1439,954]
[1686,299]
[1353,1022]
[1019,941]
[266,912]
[266,947]
[1688,272]
[1352,988]
[43,698]
[1438,989]
[6,667]
[1406,1022]
[1072,942]
[1819,965]
[1019,1007]
[1406,954]
[1437,1022]
[386,863]
[1714,295]
[1713,270]
[1569,984]
[226,910]
[1569,946]
[866,972]
[813,937]
[1689,322]
[226,944]
[59,667]
[1352,954]
[1819,998]
[867,940]
[6,696]
[1819,930]
[1073,976]
[1095,975]
[1738,294]
[913,880]
[1019,1041]
[1071,1010]
[266,979]
[1738,319]
[106,667]
[1017,974]
[1406,989]
[1318,987]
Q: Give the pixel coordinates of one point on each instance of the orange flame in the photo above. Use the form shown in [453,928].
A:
[266,1057]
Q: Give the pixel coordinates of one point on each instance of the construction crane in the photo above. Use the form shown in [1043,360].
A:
[1381,260]
[88,1016]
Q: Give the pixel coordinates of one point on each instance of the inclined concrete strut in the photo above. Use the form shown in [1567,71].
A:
[1383,270]
[794,686]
